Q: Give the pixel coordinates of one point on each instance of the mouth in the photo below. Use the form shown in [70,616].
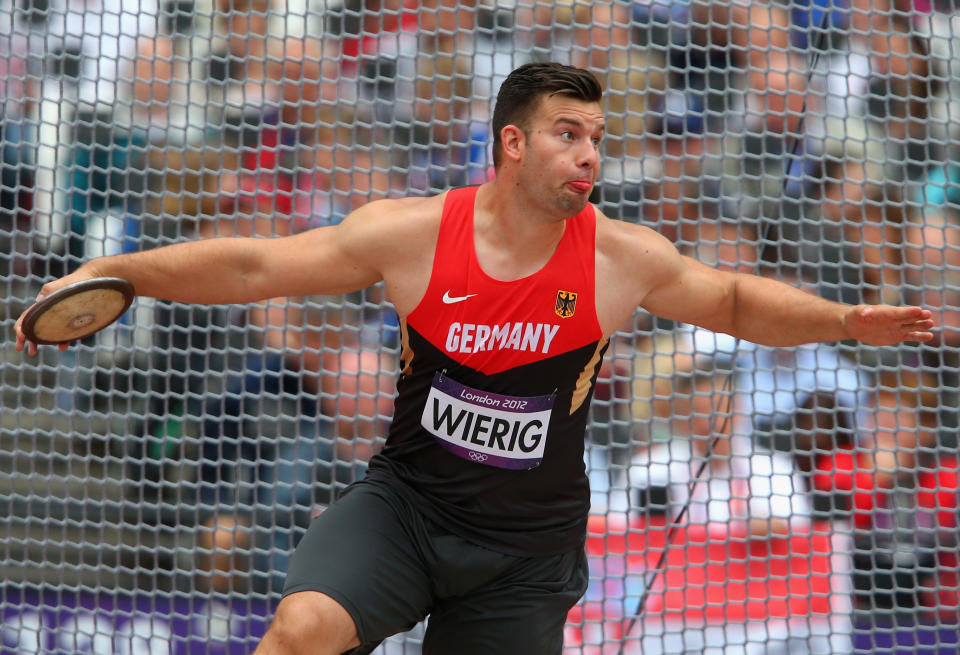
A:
[580,186]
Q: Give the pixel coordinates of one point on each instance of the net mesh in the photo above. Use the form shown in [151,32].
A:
[156,476]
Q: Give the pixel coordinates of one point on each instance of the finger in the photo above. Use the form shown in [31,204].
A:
[918,325]
[895,312]
[917,313]
[21,337]
[920,336]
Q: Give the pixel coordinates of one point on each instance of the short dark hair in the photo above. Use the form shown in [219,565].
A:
[523,88]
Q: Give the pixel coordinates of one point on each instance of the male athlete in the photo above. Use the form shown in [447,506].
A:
[474,513]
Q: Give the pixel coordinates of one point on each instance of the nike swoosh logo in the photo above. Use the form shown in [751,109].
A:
[449,300]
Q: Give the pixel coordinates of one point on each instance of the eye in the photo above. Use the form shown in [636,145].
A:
[566,135]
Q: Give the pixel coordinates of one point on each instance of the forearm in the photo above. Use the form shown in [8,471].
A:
[772,313]
[205,271]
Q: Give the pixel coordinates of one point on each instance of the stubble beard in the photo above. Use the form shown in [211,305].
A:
[561,202]
[571,205]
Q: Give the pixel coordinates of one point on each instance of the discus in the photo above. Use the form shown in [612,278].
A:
[77,310]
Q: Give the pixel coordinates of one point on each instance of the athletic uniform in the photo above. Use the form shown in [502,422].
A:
[477,505]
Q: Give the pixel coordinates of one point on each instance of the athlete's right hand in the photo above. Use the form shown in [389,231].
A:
[83,273]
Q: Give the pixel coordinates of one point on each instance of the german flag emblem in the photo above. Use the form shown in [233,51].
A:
[566,304]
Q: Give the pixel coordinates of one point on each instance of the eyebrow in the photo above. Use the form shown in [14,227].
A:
[577,123]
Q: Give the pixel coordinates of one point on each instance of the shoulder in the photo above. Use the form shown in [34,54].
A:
[631,261]
[627,246]
[397,237]
[393,217]
[392,233]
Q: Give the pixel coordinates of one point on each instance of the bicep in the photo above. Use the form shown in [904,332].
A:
[686,290]
[326,260]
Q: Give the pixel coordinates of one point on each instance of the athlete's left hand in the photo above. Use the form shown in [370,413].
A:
[885,325]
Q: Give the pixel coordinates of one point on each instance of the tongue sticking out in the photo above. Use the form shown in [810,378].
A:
[581,186]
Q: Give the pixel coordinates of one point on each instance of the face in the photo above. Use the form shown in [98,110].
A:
[559,154]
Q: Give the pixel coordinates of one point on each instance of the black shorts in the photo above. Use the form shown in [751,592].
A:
[389,567]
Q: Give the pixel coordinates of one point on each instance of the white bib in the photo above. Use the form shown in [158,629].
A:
[488,428]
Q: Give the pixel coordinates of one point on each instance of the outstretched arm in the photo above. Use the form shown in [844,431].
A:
[326,260]
[769,312]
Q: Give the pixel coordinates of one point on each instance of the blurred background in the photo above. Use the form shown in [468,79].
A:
[155,477]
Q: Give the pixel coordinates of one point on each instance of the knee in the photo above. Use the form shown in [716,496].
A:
[309,622]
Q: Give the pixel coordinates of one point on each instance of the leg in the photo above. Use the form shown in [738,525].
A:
[358,576]
[522,610]
[309,622]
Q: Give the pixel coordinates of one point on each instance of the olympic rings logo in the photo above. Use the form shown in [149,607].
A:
[479,457]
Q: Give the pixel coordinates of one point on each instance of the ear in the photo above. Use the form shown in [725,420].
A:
[513,142]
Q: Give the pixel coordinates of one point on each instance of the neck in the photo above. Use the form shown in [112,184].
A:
[512,241]
[506,206]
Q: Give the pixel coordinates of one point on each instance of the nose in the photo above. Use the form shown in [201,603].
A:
[588,157]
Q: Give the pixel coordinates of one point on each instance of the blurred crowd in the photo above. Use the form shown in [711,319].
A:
[811,141]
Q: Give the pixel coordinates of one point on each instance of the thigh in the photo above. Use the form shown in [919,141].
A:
[522,611]
[366,552]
